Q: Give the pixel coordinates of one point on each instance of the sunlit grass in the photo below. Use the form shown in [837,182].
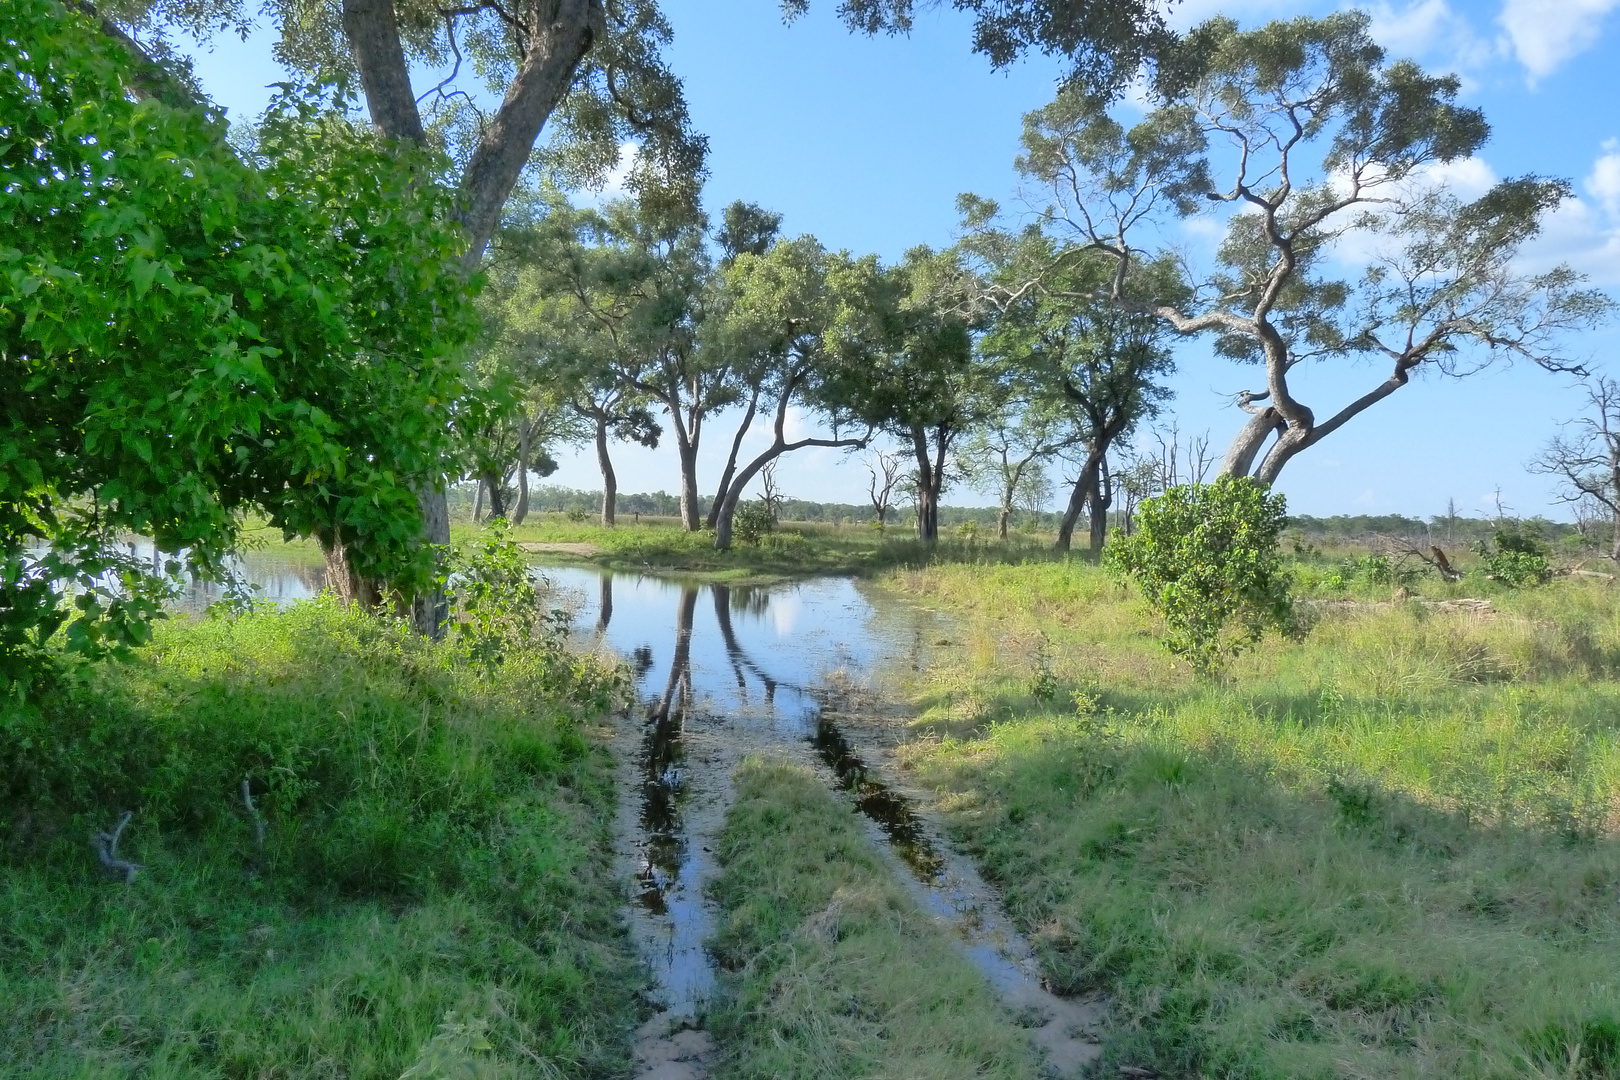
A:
[833,971]
[1386,848]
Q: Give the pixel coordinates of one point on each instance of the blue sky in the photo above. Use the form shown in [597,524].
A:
[866,143]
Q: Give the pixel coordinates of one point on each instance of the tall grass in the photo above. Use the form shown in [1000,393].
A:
[433,888]
[1385,849]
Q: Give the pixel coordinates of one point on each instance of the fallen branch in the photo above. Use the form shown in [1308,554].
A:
[106,844]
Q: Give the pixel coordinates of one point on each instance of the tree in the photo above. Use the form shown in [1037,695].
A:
[561,301]
[746,229]
[1334,155]
[595,63]
[188,335]
[1005,455]
[924,382]
[789,326]
[1095,363]
[884,469]
[1586,458]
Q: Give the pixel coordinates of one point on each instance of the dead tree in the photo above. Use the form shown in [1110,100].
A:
[1586,457]
[885,475]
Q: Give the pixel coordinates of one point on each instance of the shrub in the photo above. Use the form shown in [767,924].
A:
[752,522]
[1515,555]
[1206,556]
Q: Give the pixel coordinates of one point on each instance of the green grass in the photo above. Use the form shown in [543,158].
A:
[1387,849]
[833,972]
[434,891]
[794,550]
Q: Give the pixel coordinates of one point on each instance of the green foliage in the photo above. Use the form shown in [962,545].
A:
[1515,555]
[753,521]
[433,865]
[1205,555]
[186,335]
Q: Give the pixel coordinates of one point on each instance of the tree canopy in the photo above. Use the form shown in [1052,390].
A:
[186,334]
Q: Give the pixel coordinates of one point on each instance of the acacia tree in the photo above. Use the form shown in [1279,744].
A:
[187,335]
[792,325]
[924,382]
[1586,459]
[561,302]
[1331,155]
[746,229]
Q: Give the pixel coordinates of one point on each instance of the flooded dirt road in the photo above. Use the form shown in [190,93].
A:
[725,672]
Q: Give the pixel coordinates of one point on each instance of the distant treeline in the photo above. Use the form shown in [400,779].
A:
[553,499]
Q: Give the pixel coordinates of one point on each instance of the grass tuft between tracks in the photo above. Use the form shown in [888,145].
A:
[831,970]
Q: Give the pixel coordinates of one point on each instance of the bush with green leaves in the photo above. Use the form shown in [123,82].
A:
[1206,559]
[753,521]
[189,332]
[1516,555]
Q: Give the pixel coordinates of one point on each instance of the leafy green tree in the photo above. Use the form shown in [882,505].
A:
[790,325]
[1304,135]
[186,335]
[1204,556]
[1007,454]
[921,379]
[1081,357]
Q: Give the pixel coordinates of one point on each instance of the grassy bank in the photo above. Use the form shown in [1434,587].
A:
[1386,849]
[833,972]
[793,550]
[432,895]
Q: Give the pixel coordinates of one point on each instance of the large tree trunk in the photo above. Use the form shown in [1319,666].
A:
[731,461]
[930,482]
[1001,521]
[689,490]
[497,494]
[478,499]
[544,75]
[525,439]
[1084,484]
[610,481]
[1240,455]
[341,578]
[1102,497]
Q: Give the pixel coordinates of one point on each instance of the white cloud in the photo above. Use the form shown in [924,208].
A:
[1468,177]
[1545,33]
[1604,183]
[1424,28]
[1577,234]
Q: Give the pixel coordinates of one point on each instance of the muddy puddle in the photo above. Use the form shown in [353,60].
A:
[726,672]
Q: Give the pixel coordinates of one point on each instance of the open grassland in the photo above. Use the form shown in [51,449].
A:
[432,895]
[833,971]
[1385,849]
